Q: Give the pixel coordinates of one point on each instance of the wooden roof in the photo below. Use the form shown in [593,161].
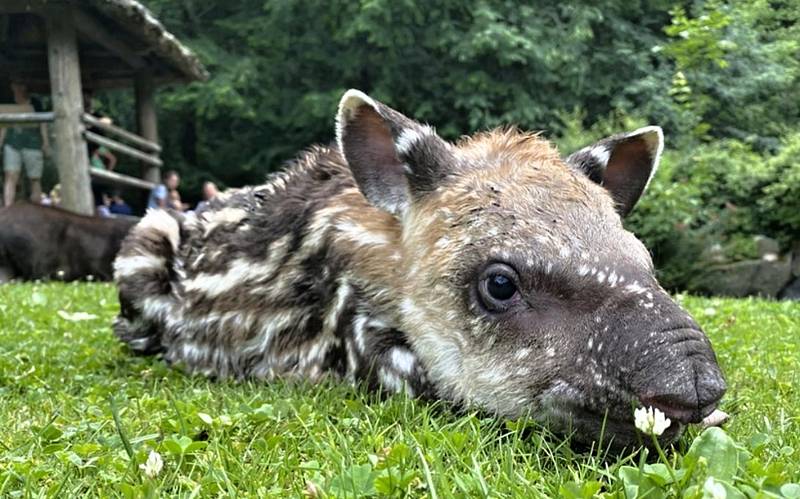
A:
[116,38]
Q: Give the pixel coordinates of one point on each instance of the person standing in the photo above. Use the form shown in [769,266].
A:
[159,196]
[23,146]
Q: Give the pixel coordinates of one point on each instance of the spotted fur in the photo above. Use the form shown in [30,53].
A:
[363,261]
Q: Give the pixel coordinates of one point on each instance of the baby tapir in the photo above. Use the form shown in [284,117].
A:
[490,272]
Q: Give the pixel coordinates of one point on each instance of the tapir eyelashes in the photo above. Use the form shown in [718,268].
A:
[497,287]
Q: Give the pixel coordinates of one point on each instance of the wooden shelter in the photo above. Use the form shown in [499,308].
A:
[66,47]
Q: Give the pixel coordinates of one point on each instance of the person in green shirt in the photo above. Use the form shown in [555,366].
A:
[23,146]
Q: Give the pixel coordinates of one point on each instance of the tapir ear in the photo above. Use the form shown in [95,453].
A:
[623,164]
[393,159]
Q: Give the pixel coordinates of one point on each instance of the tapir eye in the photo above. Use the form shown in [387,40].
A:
[497,287]
[501,287]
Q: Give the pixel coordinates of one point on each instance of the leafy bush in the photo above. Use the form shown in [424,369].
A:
[779,205]
[723,193]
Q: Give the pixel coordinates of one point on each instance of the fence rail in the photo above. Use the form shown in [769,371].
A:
[25,118]
[139,149]
[119,178]
[122,148]
[125,135]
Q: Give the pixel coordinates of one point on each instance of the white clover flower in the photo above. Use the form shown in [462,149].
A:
[152,467]
[650,421]
[714,490]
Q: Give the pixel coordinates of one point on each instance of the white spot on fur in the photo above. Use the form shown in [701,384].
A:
[390,380]
[160,221]
[402,360]
[600,154]
[635,288]
[358,332]
[410,136]
[343,293]
[126,266]
[239,271]
[360,235]
[522,354]
[225,216]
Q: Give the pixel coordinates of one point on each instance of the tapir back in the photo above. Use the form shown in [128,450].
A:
[260,284]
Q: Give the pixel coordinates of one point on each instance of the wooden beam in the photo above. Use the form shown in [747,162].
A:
[122,133]
[123,149]
[146,118]
[118,178]
[71,155]
[92,29]
[25,118]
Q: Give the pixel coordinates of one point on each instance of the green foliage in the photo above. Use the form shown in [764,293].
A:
[279,68]
[779,205]
[714,466]
[722,78]
[82,417]
[724,192]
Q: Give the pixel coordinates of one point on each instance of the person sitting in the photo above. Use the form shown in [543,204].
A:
[175,201]
[119,206]
[210,191]
[159,196]
[103,209]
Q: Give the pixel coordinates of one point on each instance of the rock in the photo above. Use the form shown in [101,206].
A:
[713,254]
[766,246]
[746,278]
[792,291]
[796,259]
[772,277]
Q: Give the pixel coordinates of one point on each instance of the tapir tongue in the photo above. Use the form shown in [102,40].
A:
[716,418]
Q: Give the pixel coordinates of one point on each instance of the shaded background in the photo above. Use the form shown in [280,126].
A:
[720,77]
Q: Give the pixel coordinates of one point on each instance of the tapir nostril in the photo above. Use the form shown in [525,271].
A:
[689,401]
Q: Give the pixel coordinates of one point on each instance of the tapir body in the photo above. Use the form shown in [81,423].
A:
[491,273]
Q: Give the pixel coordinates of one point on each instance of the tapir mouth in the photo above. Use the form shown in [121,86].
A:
[686,384]
[678,413]
[615,419]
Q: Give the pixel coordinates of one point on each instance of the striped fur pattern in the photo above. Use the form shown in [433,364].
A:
[264,283]
[377,261]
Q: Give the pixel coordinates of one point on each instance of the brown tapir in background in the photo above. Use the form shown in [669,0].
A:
[42,242]
[491,273]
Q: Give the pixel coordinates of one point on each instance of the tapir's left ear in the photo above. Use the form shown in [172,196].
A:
[394,159]
[623,164]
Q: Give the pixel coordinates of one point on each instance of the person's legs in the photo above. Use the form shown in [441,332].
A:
[34,164]
[12,163]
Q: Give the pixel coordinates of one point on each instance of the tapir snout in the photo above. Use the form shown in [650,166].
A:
[683,379]
[665,359]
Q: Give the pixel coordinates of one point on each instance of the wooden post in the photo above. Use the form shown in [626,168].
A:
[71,155]
[147,119]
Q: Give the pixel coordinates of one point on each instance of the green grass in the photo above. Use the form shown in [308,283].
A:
[62,380]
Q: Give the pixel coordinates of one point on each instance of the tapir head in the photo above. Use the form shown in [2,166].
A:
[519,288]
